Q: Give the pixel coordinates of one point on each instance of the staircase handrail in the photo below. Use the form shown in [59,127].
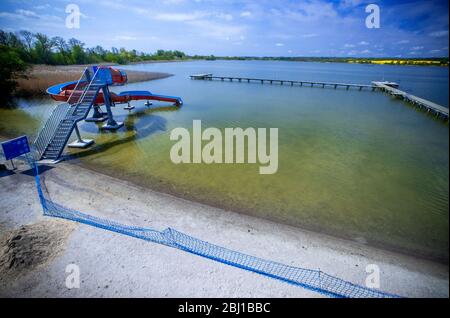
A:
[80,100]
[76,86]
[49,128]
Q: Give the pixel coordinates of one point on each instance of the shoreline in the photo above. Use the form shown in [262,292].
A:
[140,266]
[168,189]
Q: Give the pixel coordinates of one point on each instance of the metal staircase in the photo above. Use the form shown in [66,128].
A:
[56,132]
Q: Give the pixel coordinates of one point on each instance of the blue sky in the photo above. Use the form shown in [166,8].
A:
[243,27]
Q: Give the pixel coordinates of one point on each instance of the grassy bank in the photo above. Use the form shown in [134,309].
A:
[41,77]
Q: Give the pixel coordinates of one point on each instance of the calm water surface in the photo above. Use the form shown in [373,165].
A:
[356,164]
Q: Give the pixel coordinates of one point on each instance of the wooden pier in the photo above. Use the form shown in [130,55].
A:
[430,107]
[210,77]
[388,87]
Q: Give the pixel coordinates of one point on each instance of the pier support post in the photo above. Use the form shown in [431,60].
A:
[111,124]
[129,107]
[98,115]
[80,142]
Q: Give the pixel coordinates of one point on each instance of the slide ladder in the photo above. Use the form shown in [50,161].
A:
[56,132]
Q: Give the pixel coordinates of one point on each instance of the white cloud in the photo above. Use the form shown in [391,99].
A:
[279,44]
[363,43]
[124,38]
[350,3]
[347,45]
[20,14]
[310,35]
[417,48]
[438,34]
[309,11]
[179,17]
[169,2]
[246,14]
[217,30]
[225,16]
[42,7]
[27,13]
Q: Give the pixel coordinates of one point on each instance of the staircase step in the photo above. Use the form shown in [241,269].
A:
[76,108]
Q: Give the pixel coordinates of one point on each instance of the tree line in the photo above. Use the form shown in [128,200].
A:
[38,48]
[21,49]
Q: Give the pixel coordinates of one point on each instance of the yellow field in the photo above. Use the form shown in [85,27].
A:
[401,62]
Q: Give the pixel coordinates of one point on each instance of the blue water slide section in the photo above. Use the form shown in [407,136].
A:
[149,95]
[135,93]
[56,89]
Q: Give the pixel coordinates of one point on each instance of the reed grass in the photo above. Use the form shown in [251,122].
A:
[41,77]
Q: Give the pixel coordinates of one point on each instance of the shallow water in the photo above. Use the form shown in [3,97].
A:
[356,164]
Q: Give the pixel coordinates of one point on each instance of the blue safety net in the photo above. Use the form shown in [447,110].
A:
[315,280]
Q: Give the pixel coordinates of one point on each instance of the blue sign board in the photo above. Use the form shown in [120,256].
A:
[15,147]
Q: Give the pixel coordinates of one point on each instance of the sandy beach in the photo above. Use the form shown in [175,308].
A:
[33,264]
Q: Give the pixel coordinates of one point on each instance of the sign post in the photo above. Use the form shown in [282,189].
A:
[15,147]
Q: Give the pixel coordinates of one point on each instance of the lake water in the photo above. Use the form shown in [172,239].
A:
[355,164]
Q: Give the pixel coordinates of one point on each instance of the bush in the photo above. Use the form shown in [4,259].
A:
[12,67]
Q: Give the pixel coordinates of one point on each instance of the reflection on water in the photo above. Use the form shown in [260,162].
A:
[137,125]
[352,163]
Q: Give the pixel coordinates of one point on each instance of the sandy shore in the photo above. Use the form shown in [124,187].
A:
[115,265]
[43,76]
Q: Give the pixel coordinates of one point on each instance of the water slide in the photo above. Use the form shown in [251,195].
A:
[79,97]
[62,92]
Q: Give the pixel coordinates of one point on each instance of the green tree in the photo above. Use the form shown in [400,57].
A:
[43,48]
[78,55]
[12,67]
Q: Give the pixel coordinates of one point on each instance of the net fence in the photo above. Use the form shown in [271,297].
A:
[311,279]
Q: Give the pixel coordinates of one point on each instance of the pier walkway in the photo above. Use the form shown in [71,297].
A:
[281,82]
[438,110]
[388,87]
